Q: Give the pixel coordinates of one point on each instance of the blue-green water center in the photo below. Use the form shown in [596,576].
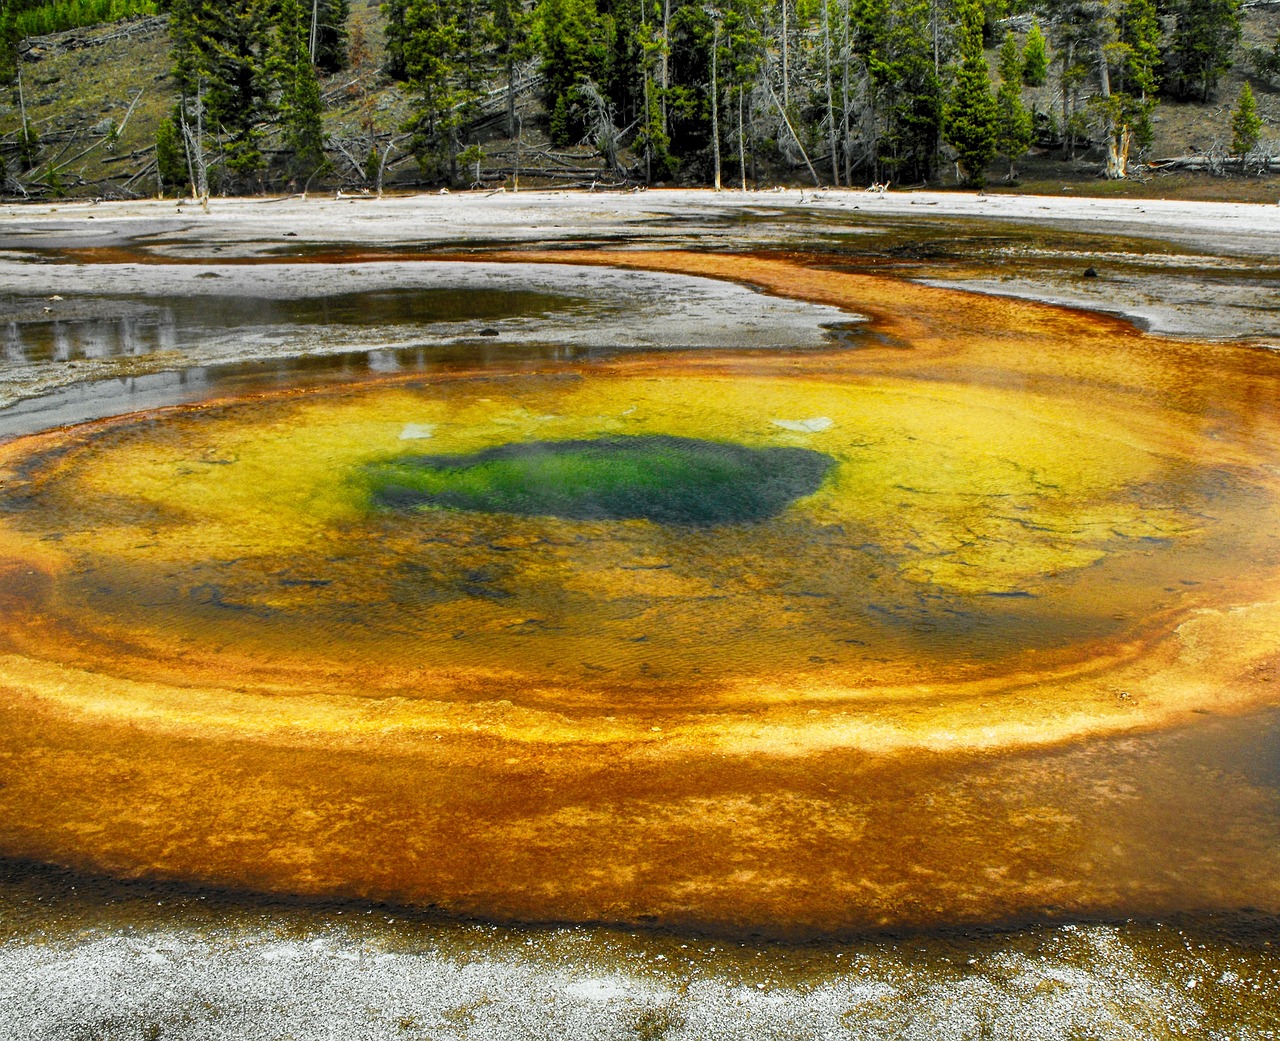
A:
[667,480]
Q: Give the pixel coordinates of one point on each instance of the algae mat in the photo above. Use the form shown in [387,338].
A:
[751,639]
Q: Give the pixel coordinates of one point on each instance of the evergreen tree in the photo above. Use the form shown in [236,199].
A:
[1014,130]
[970,126]
[430,43]
[8,41]
[739,60]
[862,37]
[993,11]
[692,34]
[396,37]
[511,39]
[1200,48]
[1079,33]
[331,36]
[300,105]
[911,100]
[1130,59]
[474,22]
[222,53]
[171,157]
[1267,63]
[28,146]
[575,42]
[1035,62]
[657,102]
[183,41]
[445,43]
[1246,125]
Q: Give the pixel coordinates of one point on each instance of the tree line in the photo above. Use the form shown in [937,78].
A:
[854,90]
[41,17]
[704,91]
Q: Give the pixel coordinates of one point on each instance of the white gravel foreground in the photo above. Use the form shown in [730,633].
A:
[1076,981]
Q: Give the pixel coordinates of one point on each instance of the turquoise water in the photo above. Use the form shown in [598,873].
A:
[668,480]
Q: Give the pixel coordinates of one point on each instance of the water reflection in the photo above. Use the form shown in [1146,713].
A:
[112,327]
[99,399]
[90,338]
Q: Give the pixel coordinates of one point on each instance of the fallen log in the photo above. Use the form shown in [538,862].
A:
[1216,163]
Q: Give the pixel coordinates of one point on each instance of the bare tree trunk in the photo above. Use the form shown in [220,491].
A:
[382,166]
[511,97]
[846,148]
[1066,116]
[648,144]
[22,101]
[197,168]
[715,103]
[1117,137]
[933,19]
[315,33]
[666,64]
[817,183]
[786,64]
[515,176]
[742,137]
[831,108]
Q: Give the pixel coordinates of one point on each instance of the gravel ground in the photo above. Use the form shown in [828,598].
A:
[328,980]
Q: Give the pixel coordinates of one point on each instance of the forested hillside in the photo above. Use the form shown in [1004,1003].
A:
[255,95]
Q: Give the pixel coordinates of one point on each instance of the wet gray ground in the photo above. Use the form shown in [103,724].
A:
[91,958]
[71,325]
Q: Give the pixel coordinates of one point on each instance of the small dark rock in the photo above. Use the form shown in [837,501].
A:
[1090,272]
[488,332]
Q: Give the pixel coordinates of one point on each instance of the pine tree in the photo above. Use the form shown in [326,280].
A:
[475,33]
[1078,27]
[575,42]
[1246,125]
[183,40]
[970,126]
[657,102]
[911,101]
[331,36]
[1014,130]
[1200,48]
[171,159]
[430,41]
[222,52]
[396,37]
[1130,56]
[511,38]
[300,106]
[8,41]
[739,61]
[1267,63]
[1035,62]
[693,36]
